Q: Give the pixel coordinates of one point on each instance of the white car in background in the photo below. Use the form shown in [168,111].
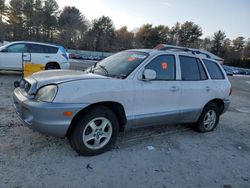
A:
[51,56]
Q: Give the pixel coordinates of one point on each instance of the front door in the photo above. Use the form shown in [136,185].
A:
[12,58]
[157,101]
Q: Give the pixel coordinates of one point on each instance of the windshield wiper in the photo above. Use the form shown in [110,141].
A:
[121,76]
[92,68]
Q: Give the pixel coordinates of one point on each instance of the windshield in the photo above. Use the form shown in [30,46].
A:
[119,65]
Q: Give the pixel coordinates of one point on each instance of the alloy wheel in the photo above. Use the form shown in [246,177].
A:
[97,133]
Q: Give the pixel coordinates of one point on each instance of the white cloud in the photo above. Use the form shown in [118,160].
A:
[167,3]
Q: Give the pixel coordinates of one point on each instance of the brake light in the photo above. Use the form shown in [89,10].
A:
[231,90]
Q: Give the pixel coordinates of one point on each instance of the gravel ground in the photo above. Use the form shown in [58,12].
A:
[163,156]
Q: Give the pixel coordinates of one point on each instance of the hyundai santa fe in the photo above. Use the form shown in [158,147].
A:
[130,88]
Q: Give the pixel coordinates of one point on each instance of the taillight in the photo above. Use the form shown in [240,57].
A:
[231,90]
[65,56]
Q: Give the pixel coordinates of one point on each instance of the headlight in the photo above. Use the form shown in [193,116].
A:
[46,93]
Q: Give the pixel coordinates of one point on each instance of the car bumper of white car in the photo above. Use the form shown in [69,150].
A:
[65,65]
[47,118]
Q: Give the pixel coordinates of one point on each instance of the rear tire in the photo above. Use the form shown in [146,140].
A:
[209,118]
[51,66]
[95,132]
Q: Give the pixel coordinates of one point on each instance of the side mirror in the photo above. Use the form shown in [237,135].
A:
[148,75]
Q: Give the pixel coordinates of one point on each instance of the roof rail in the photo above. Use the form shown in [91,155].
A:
[172,47]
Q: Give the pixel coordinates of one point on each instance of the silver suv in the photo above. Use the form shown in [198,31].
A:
[169,85]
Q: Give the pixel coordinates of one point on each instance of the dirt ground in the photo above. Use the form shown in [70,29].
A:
[165,156]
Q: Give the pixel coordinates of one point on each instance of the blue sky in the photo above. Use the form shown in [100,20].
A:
[231,16]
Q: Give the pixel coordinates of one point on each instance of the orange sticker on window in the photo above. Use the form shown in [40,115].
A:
[130,59]
[164,65]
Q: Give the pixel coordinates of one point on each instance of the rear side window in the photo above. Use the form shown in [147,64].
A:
[50,50]
[192,69]
[214,70]
[36,48]
[164,66]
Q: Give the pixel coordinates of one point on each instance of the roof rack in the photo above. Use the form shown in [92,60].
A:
[172,47]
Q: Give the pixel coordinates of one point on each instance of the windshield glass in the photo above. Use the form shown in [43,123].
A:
[119,65]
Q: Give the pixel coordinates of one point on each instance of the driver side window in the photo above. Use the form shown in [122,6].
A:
[164,66]
[17,48]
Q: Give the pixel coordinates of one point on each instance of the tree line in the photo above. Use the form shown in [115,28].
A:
[41,20]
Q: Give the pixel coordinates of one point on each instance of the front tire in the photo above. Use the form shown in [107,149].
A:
[209,118]
[95,132]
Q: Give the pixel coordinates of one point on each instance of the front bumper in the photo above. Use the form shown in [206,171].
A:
[47,118]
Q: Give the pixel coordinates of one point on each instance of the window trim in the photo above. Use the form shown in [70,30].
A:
[203,66]
[174,66]
[198,68]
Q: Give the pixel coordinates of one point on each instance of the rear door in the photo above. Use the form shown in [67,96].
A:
[42,54]
[220,82]
[196,89]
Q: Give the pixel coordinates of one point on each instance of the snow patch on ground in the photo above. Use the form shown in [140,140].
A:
[241,75]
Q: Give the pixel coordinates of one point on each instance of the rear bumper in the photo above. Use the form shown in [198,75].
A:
[226,105]
[65,65]
[46,118]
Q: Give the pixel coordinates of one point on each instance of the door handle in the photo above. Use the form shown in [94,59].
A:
[174,89]
[208,88]
[47,56]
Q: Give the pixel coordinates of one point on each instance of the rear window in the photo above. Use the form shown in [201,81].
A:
[192,69]
[214,70]
[62,49]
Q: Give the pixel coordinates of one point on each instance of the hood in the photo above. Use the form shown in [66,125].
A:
[59,76]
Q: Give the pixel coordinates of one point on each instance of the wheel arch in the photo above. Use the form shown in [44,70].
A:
[219,103]
[116,107]
[52,63]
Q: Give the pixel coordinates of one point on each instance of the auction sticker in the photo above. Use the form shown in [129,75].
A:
[134,57]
